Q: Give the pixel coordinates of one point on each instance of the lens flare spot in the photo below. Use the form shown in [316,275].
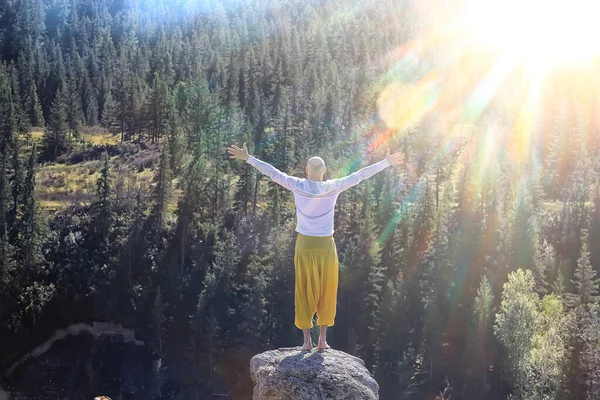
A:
[402,105]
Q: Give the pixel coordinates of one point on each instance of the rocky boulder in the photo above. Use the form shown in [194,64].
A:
[289,373]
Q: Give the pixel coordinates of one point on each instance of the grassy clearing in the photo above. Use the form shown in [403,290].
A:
[88,137]
[58,184]
[61,185]
[51,205]
[98,136]
[81,178]
[37,134]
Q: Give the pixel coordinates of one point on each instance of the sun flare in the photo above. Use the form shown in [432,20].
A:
[537,31]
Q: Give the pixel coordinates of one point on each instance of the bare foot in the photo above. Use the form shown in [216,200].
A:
[323,346]
[306,347]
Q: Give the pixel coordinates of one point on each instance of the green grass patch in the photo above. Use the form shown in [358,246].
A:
[94,136]
[98,136]
[59,185]
[37,134]
[51,205]
[62,182]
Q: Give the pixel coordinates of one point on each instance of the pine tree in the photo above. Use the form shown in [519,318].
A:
[524,233]
[21,121]
[4,228]
[216,299]
[102,244]
[558,286]
[589,358]
[482,305]
[189,215]
[482,321]
[166,69]
[16,193]
[158,319]
[594,231]
[28,224]
[220,283]
[72,108]
[279,297]
[162,191]
[29,24]
[180,99]
[394,369]
[36,115]
[103,89]
[208,332]
[200,114]
[363,283]
[175,143]
[125,97]
[545,263]
[34,297]
[109,118]
[245,184]
[55,136]
[157,108]
[103,205]
[89,102]
[254,326]
[7,122]
[585,283]
[135,242]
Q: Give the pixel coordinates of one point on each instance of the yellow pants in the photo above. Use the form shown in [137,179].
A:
[316,265]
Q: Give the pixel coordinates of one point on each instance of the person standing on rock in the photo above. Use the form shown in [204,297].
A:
[315,260]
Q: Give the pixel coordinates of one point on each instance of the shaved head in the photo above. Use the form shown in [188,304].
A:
[315,168]
[315,165]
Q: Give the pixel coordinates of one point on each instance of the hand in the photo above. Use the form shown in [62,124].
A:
[394,159]
[236,152]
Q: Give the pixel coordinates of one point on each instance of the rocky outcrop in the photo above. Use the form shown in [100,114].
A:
[289,373]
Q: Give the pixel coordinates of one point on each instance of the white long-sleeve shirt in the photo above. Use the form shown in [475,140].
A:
[315,200]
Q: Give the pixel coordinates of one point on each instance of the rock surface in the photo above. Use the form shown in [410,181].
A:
[289,373]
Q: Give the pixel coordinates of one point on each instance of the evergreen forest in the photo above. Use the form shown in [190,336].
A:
[469,273]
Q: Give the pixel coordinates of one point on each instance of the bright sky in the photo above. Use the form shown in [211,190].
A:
[538,31]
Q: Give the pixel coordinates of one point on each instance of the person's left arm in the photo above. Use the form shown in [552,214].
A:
[288,182]
[355,178]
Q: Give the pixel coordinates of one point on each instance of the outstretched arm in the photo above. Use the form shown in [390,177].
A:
[367,172]
[288,182]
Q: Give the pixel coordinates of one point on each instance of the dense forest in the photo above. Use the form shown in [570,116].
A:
[469,274]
